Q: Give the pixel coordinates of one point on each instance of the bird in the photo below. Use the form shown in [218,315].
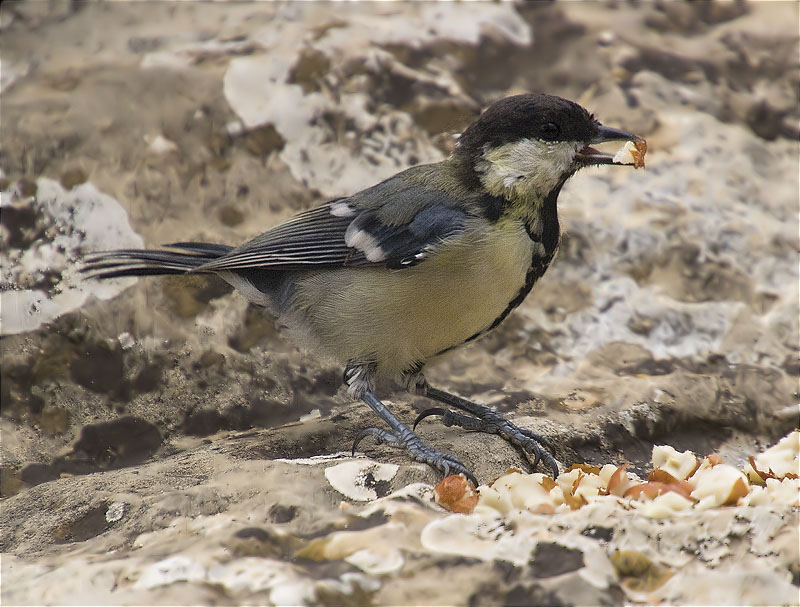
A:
[404,272]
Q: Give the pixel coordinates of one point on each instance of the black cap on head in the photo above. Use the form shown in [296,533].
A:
[532,115]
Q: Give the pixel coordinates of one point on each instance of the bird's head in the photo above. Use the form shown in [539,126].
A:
[524,147]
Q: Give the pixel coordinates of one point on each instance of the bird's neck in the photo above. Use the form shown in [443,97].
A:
[536,209]
[542,223]
[527,175]
[532,203]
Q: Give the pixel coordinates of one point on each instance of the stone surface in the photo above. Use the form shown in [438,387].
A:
[168,446]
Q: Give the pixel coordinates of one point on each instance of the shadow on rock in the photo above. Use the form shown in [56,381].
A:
[103,446]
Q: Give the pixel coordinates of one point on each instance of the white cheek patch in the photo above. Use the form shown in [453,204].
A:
[342,209]
[362,241]
[530,166]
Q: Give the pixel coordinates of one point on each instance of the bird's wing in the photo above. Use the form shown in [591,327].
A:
[339,233]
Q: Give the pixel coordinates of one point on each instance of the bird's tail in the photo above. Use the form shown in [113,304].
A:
[142,262]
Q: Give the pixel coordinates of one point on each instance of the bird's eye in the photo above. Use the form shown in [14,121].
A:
[549,131]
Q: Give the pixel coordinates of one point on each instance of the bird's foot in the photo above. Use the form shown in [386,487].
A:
[417,450]
[487,420]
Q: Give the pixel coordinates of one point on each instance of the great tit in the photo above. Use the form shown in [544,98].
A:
[401,273]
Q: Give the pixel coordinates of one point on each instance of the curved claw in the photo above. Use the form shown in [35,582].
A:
[550,460]
[444,463]
[541,448]
[451,418]
[380,436]
[537,457]
[457,468]
[540,456]
[485,419]
[428,413]
[538,446]
[361,436]
[471,478]
[537,437]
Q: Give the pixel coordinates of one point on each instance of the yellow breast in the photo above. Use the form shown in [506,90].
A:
[401,317]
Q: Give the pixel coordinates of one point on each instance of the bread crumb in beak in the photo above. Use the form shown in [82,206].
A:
[632,152]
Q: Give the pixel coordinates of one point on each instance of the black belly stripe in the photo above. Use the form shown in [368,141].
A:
[551,233]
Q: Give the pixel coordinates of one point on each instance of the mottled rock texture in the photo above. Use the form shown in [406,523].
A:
[161,424]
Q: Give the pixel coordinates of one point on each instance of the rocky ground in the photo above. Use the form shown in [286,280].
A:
[162,444]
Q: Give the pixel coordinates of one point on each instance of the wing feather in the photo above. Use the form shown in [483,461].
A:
[335,234]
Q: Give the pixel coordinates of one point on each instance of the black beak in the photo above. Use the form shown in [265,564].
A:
[607,133]
[589,156]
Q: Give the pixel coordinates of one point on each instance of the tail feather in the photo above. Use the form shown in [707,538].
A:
[202,248]
[141,262]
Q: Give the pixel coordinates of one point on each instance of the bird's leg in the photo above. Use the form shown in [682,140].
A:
[360,384]
[485,419]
